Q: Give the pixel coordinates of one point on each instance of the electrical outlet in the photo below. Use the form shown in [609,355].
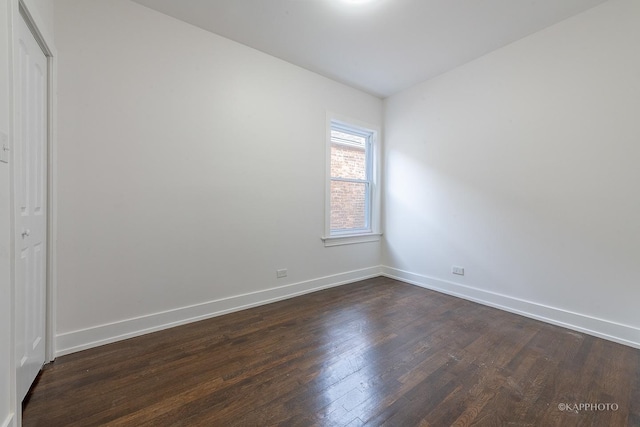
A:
[457,270]
[281,273]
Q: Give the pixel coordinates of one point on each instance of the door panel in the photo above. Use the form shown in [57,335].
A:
[30,207]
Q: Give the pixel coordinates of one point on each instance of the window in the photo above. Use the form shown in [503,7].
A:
[351,198]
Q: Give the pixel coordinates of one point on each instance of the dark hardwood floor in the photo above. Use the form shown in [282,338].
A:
[376,352]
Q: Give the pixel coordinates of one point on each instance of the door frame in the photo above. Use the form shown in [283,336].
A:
[27,10]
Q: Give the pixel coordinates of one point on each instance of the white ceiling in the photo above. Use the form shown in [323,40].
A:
[382,46]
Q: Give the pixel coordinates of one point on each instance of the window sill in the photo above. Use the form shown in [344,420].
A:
[351,239]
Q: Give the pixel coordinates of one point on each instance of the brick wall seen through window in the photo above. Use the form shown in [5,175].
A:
[349,181]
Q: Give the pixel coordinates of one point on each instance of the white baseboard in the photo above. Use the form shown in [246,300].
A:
[601,328]
[70,342]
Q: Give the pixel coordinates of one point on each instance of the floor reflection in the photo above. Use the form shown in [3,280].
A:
[349,377]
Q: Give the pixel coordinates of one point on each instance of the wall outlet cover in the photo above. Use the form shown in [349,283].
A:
[457,270]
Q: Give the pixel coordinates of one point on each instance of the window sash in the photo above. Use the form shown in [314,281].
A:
[367,135]
[367,211]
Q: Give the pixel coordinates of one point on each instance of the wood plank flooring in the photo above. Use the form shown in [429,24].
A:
[377,352]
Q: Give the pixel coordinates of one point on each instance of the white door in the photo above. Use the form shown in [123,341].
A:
[30,184]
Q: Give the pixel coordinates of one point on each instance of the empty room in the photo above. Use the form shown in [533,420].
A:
[319,212]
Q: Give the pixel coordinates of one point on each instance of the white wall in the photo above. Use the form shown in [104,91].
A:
[190,169]
[523,167]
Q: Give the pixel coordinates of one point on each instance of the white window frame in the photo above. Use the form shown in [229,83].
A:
[371,232]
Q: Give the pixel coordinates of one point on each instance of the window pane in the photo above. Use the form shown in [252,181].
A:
[348,205]
[348,161]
